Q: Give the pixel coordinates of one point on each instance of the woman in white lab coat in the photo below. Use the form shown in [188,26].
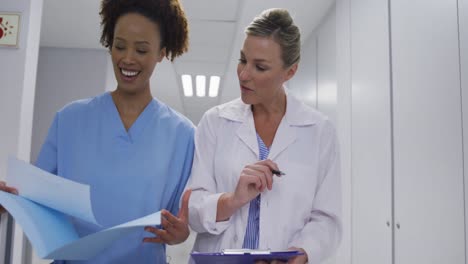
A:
[237,201]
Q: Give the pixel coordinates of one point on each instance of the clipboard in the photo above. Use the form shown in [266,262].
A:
[243,256]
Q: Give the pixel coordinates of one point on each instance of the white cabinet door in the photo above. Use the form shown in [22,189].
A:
[370,140]
[326,67]
[428,160]
[463,29]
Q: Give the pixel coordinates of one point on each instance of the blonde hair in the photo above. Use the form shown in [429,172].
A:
[278,24]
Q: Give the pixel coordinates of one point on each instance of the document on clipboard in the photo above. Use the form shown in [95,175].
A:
[243,256]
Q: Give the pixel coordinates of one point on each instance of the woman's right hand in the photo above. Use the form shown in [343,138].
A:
[254,179]
[5,188]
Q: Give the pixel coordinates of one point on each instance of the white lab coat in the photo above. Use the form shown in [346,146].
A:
[304,207]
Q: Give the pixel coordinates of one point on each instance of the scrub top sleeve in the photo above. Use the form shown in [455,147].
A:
[47,159]
[187,167]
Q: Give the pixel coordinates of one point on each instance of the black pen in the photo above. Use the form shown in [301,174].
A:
[278,172]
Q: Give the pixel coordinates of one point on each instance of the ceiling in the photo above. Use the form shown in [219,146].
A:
[216,35]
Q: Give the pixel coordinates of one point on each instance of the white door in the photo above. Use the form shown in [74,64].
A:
[428,160]
[371,133]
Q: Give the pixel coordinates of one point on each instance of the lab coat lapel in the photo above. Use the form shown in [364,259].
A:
[295,116]
[237,111]
[286,133]
[247,134]
[285,136]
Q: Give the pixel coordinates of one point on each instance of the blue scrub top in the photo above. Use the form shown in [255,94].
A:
[131,173]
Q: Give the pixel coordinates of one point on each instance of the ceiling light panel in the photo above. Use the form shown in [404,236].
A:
[201,85]
[214,86]
[187,85]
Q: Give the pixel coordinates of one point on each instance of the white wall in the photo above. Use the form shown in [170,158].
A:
[399,123]
[164,76]
[304,83]
[16,85]
[406,128]
[463,45]
[18,75]
[428,163]
[343,73]
[326,66]
[370,133]
[315,79]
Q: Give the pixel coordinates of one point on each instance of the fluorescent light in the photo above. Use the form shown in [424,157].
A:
[214,86]
[187,85]
[201,85]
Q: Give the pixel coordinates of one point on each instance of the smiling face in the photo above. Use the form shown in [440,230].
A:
[135,51]
[261,70]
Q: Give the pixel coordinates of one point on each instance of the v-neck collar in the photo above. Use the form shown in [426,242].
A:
[137,127]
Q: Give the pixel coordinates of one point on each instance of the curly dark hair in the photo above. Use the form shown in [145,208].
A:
[168,14]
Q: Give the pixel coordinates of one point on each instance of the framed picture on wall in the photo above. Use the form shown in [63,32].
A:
[9,29]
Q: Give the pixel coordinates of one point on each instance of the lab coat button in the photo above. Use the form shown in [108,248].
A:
[235,238]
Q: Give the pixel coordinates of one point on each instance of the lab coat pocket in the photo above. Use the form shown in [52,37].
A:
[296,191]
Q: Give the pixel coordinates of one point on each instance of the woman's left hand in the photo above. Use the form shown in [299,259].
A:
[175,229]
[302,259]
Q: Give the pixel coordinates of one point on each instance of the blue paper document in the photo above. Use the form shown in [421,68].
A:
[43,214]
[69,197]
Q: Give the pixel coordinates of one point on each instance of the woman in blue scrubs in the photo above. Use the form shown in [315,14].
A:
[133,150]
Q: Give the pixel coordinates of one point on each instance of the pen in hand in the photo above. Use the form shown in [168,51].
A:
[278,172]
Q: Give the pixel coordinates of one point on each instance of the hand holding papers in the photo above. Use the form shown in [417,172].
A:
[67,196]
[175,228]
[42,214]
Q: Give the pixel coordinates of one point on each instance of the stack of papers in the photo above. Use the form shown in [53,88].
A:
[42,214]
